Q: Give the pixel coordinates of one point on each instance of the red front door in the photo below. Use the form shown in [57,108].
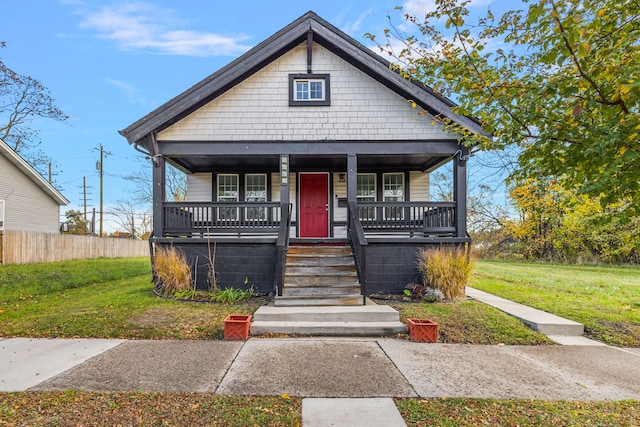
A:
[314,205]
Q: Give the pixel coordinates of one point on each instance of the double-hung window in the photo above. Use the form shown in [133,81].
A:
[366,192]
[393,191]
[309,90]
[228,192]
[256,191]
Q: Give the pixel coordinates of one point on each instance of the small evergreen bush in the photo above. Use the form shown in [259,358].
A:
[446,270]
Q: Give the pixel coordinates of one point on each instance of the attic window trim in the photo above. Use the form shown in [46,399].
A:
[294,78]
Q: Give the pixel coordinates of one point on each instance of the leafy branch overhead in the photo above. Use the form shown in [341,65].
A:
[559,78]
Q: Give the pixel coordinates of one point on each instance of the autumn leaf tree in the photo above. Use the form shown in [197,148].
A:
[559,79]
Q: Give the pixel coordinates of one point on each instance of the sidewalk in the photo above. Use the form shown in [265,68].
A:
[323,368]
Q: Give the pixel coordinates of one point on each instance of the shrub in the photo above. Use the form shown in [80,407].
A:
[172,270]
[424,293]
[446,270]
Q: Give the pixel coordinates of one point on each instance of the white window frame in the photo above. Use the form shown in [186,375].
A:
[255,214]
[388,213]
[228,214]
[371,212]
[309,79]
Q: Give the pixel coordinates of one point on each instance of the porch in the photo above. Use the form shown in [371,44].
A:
[250,240]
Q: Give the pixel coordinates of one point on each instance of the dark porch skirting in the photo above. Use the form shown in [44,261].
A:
[236,260]
[391,263]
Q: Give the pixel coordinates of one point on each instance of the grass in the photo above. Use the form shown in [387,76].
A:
[523,413]
[113,298]
[104,298]
[604,298]
[73,407]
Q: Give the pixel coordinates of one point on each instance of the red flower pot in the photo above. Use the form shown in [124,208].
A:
[421,330]
[236,327]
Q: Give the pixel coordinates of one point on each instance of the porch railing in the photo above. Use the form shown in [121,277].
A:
[282,246]
[430,218]
[204,218]
[358,243]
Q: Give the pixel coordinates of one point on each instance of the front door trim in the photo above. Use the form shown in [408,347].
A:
[299,204]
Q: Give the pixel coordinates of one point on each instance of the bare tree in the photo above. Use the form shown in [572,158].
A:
[22,98]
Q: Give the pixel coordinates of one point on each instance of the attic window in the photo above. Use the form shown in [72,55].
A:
[309,90]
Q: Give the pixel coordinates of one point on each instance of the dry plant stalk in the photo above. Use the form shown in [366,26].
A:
[172,270]
[445,269]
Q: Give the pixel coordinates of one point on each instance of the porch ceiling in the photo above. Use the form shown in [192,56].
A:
[208,163]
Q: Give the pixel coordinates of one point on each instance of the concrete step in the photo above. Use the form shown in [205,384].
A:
[319,250]
[316,301]
[301,279]
[334,261]
[321,291]
[354,329]
[320,269]
[363,313]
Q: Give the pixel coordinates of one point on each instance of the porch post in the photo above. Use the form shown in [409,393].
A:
[352,178]
[159,194]
[460,190]
[284,179]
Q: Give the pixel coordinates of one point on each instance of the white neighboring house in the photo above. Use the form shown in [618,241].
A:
[28,202]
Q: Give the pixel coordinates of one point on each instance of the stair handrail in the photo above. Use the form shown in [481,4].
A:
[358,243]
[282,246]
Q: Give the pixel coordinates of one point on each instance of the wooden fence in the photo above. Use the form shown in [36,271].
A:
[25,247]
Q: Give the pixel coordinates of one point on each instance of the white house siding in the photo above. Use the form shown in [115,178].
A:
[258,108]
[199,187]
[418,186]
[27,207]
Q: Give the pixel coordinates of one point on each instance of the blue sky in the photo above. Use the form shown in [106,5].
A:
[109,63]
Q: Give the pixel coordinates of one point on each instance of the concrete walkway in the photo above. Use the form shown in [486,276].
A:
[563,331]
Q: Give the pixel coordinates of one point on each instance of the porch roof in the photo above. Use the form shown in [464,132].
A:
[284,40]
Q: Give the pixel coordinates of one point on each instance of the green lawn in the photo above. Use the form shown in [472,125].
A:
[113,298]
[606,299]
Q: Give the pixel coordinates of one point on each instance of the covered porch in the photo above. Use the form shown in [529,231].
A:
[252,237]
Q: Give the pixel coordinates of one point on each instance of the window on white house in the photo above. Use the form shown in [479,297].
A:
[309,90]
[256,191]
[228,192]
[393,191]
[366,192]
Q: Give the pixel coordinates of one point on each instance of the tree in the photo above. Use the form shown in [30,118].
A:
[560,80]
[76,222]
[129,219]
[23,98]
[176,182]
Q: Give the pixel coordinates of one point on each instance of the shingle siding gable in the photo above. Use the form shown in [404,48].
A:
[257,109]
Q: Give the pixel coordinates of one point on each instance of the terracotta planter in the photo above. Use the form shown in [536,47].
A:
[236,327]
[421,330]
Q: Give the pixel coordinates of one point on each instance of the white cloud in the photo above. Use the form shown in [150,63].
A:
[144,27]
[419,8]
[131,92]
[353,27]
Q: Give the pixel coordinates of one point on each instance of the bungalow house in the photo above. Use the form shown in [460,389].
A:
[308,153]
[28,202]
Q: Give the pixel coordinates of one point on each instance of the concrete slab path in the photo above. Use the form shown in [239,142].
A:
[326,368]
[546,323]
[319,412]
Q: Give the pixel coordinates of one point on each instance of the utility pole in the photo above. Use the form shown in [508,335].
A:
[100,167]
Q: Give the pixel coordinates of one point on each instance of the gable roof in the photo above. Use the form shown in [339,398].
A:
[275,46]
[32,174]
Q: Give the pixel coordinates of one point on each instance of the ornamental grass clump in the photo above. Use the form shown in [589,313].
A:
[445,269]
[172,270]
